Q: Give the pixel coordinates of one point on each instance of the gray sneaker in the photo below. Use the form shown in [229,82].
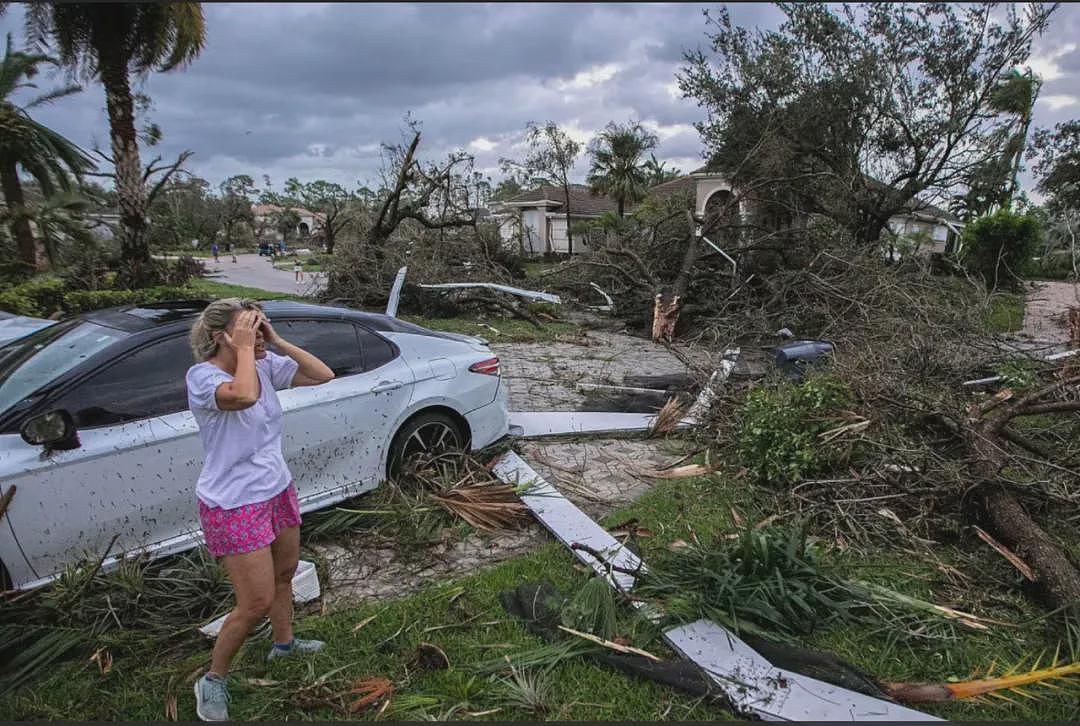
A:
[212,699]
[298,647]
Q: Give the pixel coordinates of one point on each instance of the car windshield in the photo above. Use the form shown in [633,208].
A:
[29,363]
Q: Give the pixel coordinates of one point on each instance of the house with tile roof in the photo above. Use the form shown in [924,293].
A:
[309,226]
[536,220]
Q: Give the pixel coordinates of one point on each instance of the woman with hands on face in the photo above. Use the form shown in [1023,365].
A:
[248,506]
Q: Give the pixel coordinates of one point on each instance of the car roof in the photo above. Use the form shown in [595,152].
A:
[148,316]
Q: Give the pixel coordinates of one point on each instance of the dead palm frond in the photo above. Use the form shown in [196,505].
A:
[488,506]
[1012,681]
[668,417]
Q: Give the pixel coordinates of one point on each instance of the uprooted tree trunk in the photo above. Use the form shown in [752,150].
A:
[1057,576]
[669,299]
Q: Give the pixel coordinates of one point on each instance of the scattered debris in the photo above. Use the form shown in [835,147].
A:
[429,657]
[527,294]
[360,626]
[610,645]
[792,358]
[1050,359]
[171,708]
[1005,552]
[535,424]
[752,684]
[104,660]
[699,412]
[942,692]
[668,418]
[678,472]
[395,293]
[607,308]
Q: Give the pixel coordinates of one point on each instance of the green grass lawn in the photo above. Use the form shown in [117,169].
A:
[1006,313]
[464,618]
[213,290]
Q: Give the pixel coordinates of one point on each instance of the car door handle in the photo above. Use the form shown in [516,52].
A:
[386,386]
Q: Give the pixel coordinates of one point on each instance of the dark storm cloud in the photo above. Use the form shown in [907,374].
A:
[311,90]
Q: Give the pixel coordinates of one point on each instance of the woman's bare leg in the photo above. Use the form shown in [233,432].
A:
[252,578]
[286,554]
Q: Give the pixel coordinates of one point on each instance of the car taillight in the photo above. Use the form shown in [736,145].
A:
[489,367]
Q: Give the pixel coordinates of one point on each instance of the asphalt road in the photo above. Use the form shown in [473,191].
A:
[254,271]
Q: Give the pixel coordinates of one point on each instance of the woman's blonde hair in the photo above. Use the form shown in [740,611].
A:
[214,319]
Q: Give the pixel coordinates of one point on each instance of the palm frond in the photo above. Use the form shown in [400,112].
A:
[1013,682]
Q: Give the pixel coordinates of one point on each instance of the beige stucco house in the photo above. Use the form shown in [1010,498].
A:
[536,220]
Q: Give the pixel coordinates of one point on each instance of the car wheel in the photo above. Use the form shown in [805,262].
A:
[429,433]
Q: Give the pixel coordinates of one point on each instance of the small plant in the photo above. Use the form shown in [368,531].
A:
[781,424]
[592,609]
[528,690]
[771,582]
[1017,374]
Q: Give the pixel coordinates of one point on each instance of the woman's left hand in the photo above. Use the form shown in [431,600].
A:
[269,334]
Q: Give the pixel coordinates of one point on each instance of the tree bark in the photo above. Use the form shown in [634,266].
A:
[1055,574]
[31,253]
[669,300]
[1057,578]
[130,189]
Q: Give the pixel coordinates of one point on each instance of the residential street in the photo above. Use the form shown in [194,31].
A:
[251,270]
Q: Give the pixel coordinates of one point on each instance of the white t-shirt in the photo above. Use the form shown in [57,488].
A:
[243,462]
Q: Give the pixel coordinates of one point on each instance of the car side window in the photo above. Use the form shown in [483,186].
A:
[331,341]
[377,351]
[148,382]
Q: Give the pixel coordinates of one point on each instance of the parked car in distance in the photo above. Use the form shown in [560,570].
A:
[97,441]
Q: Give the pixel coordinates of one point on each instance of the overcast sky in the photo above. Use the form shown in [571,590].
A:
[310,90]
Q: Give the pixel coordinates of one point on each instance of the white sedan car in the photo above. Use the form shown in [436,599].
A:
[98,449]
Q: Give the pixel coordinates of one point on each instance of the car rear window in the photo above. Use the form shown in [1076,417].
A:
[29,363]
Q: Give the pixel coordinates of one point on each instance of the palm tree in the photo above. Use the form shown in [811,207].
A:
[1015,96]
[616,163]
[39,151]
[109,42]
[656,171]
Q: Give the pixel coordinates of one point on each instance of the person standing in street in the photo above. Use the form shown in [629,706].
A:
[214,249]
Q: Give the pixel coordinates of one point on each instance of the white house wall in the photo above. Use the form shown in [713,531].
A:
[909,227]
[559,241]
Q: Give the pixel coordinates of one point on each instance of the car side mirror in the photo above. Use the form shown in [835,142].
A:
[54,430]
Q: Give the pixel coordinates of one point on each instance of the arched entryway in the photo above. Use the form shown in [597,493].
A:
[721,217]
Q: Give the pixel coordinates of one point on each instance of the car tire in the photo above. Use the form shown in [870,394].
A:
[428,432]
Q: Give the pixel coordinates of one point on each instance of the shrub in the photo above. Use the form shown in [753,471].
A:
[81,301]
[39,298]
[780,424]
[999,247]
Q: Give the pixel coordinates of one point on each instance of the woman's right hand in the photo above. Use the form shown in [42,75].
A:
[243,333]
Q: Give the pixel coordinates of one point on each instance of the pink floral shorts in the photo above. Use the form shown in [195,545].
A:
[250,527]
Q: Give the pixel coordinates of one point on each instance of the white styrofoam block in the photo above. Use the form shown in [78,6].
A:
[305,583]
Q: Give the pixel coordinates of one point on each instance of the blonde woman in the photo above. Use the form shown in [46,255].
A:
[247,500]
